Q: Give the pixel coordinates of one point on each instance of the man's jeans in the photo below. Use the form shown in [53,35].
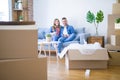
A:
[63,40]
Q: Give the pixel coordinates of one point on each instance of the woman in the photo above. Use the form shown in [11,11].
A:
[55,30]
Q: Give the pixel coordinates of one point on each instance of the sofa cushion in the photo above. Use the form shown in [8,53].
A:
[42,32]
[79,30]
[41,35]
[83,37]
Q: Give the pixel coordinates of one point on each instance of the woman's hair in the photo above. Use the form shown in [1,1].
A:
[54,25]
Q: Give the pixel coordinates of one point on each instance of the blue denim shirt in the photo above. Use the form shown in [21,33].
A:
[70,30]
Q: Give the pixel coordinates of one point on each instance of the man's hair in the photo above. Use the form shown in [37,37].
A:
[64,18]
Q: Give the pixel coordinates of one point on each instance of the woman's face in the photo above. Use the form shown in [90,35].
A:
[57,23]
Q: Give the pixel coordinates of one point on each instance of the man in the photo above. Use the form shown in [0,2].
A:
[67,34]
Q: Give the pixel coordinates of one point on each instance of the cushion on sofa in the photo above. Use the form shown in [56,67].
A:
[80,30]
[83,37]
[42,32]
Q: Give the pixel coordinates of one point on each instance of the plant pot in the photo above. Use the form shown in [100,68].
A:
[20,20]
[117,25]
[48,39]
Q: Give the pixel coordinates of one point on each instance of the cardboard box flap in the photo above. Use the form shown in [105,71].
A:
[99,54]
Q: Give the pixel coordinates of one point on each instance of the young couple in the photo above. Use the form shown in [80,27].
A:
[63,33]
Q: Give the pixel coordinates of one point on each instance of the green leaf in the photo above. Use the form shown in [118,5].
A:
[21,17]
[99,16]
[117,20]
[90,17]
[48,35]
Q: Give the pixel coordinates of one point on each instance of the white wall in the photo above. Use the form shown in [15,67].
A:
[4,10]
[75,10]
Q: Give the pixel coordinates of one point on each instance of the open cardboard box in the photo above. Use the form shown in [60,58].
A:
[75,60]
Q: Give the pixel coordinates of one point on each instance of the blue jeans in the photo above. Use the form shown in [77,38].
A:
[63,40]
[55,38]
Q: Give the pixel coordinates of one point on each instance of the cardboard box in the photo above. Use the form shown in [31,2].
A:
[110,47]
[75,60]
[18,44]
[23,69]
[114,58]
[118,1]
[117,32]
[116,8]
[115,40]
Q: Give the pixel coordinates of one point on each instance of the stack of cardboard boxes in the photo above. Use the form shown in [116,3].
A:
[19,57]
[114,35]
[111,20]
[116,10]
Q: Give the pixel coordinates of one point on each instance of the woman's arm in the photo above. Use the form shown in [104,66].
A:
[61,31]
[51,29]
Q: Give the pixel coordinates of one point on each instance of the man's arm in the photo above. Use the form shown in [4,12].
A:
[72,31]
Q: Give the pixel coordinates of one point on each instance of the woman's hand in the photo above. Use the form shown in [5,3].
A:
[53,33]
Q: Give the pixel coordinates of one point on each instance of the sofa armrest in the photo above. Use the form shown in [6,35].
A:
[83,37]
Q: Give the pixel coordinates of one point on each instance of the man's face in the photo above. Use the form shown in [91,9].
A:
[64,21]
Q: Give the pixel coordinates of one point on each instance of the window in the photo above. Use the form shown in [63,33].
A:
[4,10]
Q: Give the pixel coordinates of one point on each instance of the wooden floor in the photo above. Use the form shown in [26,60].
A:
[58,71]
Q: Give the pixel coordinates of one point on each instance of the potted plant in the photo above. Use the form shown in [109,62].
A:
[117,23]
[96,19]
[48,37]
[20,18]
